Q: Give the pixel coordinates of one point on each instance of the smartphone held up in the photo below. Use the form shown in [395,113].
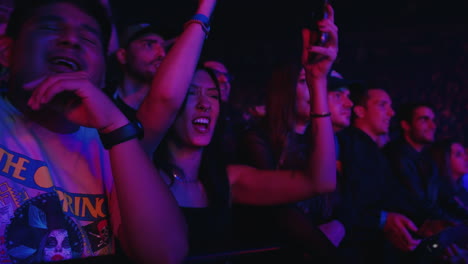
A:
[317,13]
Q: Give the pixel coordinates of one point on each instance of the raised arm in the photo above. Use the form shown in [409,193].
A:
[322,159]
[172,80]
[261,187]
[153,229]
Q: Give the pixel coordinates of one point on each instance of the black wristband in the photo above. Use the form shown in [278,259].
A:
[129,131]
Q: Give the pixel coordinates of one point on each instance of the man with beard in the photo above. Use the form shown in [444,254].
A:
[415,171]
[139,56]
[365,198]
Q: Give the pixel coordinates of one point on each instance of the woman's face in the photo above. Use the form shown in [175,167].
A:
[302,97]
[458,161]
[194,125]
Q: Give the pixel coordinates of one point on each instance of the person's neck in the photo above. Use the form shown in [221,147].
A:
[337,128]
[417,146]
[367,130]
[457,177]
[185,158]
[46,117]
[133,91]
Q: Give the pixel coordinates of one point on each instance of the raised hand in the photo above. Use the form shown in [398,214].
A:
[73,95]
[324,56]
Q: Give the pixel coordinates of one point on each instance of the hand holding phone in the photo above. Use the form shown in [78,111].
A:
[317,37]
[318,59]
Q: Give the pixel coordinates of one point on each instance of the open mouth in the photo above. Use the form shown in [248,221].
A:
[64,64]
[201,124]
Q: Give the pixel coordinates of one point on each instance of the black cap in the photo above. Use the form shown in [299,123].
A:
[134,31]
[337,83]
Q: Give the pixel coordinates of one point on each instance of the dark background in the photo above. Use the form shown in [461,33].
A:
[416,49]
[251,33]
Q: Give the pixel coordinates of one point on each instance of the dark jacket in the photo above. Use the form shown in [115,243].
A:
[417,173]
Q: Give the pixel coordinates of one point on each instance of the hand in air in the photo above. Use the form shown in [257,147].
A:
[324,56]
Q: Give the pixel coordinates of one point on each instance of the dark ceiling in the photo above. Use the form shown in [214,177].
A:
[248,34]
[252,14]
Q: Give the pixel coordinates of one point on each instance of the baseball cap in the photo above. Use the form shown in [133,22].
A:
[134,31]
[337,82]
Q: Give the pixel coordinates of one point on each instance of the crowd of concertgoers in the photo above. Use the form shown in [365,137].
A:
[119,145]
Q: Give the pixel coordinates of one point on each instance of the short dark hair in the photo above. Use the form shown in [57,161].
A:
[25,9]
[406,110]
[337,84]
[360,93]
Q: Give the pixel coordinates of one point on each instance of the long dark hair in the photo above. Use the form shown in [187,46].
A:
[281,105]
[441,151]
[212,172]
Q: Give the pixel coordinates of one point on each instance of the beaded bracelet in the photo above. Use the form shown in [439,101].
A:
[202,20]
[323,114]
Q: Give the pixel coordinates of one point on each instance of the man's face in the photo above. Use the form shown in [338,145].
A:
[340,108]
[58,38]
[422,128]
[144,55]
[378,112]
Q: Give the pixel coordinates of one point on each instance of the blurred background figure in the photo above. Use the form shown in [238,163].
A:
[141,51]
[6,6]
[224,78]
[452,161]
[234,121]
